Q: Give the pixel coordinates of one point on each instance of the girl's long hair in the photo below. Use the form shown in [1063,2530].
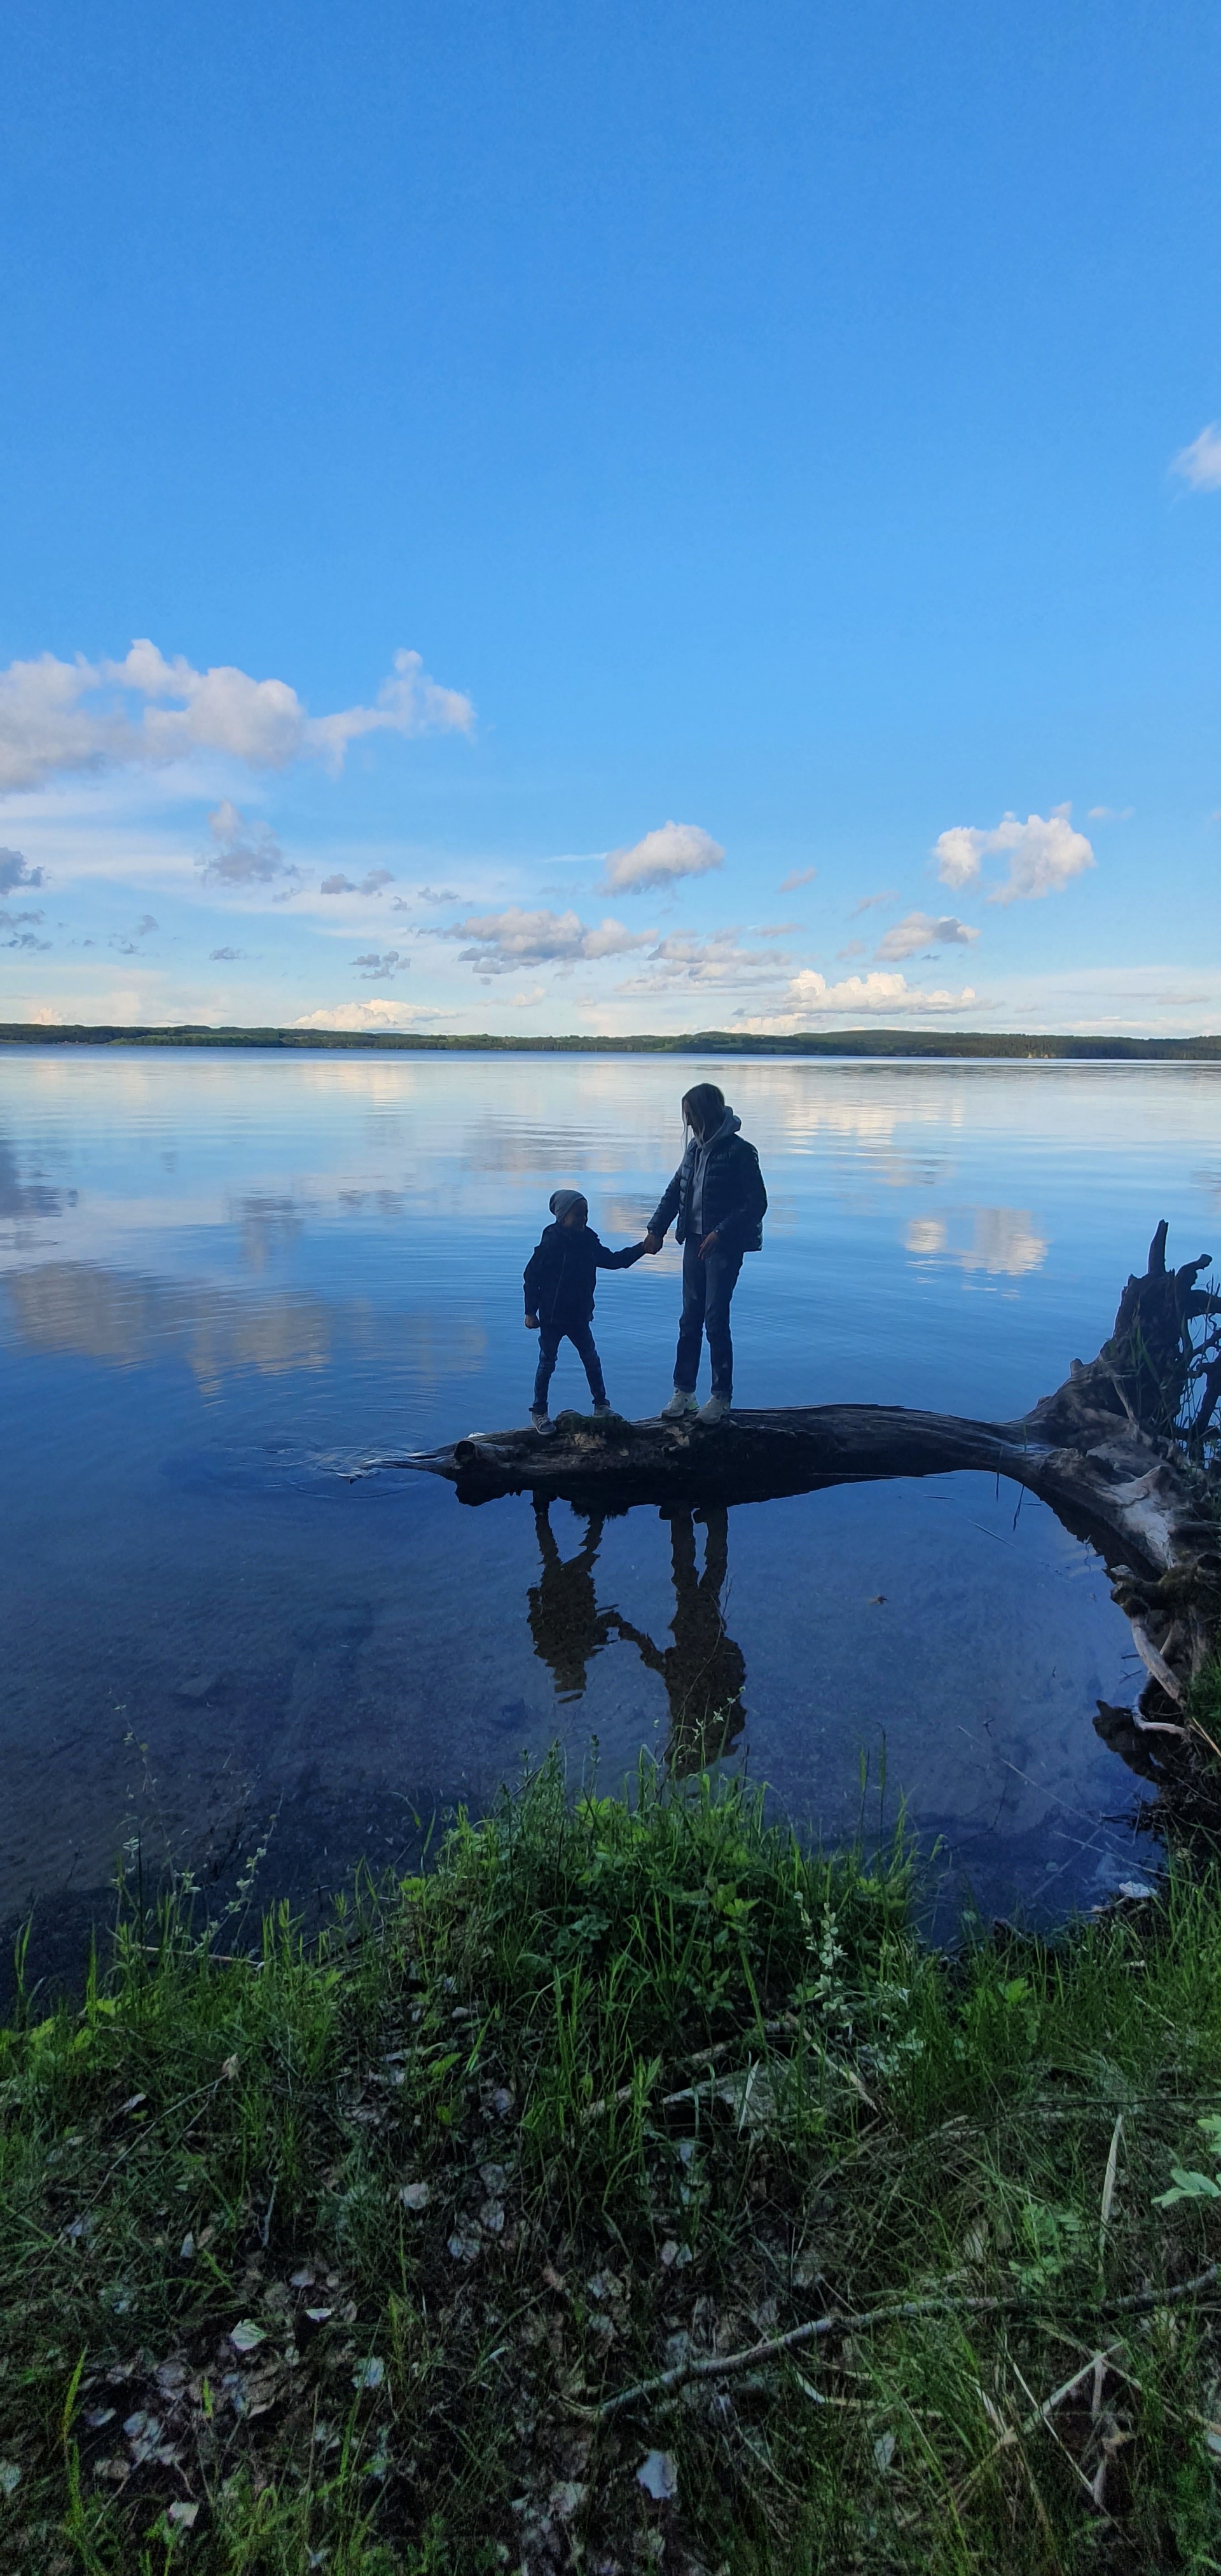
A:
[703,1109]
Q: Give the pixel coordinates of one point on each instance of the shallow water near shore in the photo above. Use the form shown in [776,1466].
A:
[226,1280]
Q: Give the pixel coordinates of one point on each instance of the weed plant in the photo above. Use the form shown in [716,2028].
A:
[334,2257]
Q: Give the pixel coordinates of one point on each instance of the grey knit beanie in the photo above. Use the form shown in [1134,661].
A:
[561,1201]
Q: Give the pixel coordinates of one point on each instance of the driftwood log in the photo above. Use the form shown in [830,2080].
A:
[1106,1451]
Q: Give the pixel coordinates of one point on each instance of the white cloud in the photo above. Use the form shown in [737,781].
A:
[1200,464]
[145,712]
[675,850]
[718,961]
[1042,855]
[919,930]
[242,854]
[15,870]
[377,1014]
[1111,813]
[19,930]
[873,996]
[379,970]
[503,942]
[799,877]
[870,902]
[225,956]
[526,1001]
[370,884]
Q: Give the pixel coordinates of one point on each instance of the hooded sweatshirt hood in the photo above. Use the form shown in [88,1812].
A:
[561,1202]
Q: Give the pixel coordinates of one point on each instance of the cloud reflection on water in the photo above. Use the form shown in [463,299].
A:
[28,1198]
[1005,1242]
[130,1321]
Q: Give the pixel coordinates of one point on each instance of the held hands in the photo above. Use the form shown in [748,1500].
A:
[532,1323]
[652,1243]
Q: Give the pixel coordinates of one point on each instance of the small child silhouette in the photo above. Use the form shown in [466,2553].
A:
[560,1278]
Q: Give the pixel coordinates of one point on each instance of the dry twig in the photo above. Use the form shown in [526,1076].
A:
[822,2329]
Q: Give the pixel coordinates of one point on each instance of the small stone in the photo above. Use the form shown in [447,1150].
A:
[492,2216]
[658,2475]
[369,2374]
[414,2195]
[565,2499]
[182,2515]
[245,2335]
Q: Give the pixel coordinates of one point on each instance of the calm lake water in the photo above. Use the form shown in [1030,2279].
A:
[226,1279]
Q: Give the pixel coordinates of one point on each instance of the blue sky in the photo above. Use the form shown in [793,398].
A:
[628,518]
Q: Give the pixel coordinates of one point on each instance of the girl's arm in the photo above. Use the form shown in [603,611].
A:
[667,1208]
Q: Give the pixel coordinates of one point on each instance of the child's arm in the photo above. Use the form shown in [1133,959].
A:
[607,1260]
[532,1280]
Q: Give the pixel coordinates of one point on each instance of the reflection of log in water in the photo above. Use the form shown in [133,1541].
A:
[704,1671]
[565,1622]
[1117,1451]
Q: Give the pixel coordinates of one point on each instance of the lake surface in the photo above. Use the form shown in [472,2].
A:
[227,1279]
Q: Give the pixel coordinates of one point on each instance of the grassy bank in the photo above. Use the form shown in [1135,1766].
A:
[343,2260]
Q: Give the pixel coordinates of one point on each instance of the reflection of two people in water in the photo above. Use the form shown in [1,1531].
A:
[703,1671]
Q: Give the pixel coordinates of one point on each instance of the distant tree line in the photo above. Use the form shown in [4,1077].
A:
[962,1043]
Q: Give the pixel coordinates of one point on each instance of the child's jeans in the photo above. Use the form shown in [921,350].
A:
[550,1337]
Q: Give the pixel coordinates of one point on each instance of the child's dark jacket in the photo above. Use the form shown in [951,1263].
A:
[562,1270]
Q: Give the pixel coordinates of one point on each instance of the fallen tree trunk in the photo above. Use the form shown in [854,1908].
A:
[1103,1451]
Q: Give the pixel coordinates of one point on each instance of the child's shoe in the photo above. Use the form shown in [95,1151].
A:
[680,1405]
[601,1411]
[542,1423]
[716,1408]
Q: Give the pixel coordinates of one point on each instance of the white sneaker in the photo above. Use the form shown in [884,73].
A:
[716,1408]
[680,1405]
[542,1423]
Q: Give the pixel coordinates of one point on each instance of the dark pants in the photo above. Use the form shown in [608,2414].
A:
[707,1289]
[550,1337]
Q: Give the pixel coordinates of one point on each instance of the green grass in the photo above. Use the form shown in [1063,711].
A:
[672,2086]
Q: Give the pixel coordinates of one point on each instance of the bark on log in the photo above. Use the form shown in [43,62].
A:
[1102,1451]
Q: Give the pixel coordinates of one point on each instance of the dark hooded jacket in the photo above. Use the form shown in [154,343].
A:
[717,1189]
[562,1270]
